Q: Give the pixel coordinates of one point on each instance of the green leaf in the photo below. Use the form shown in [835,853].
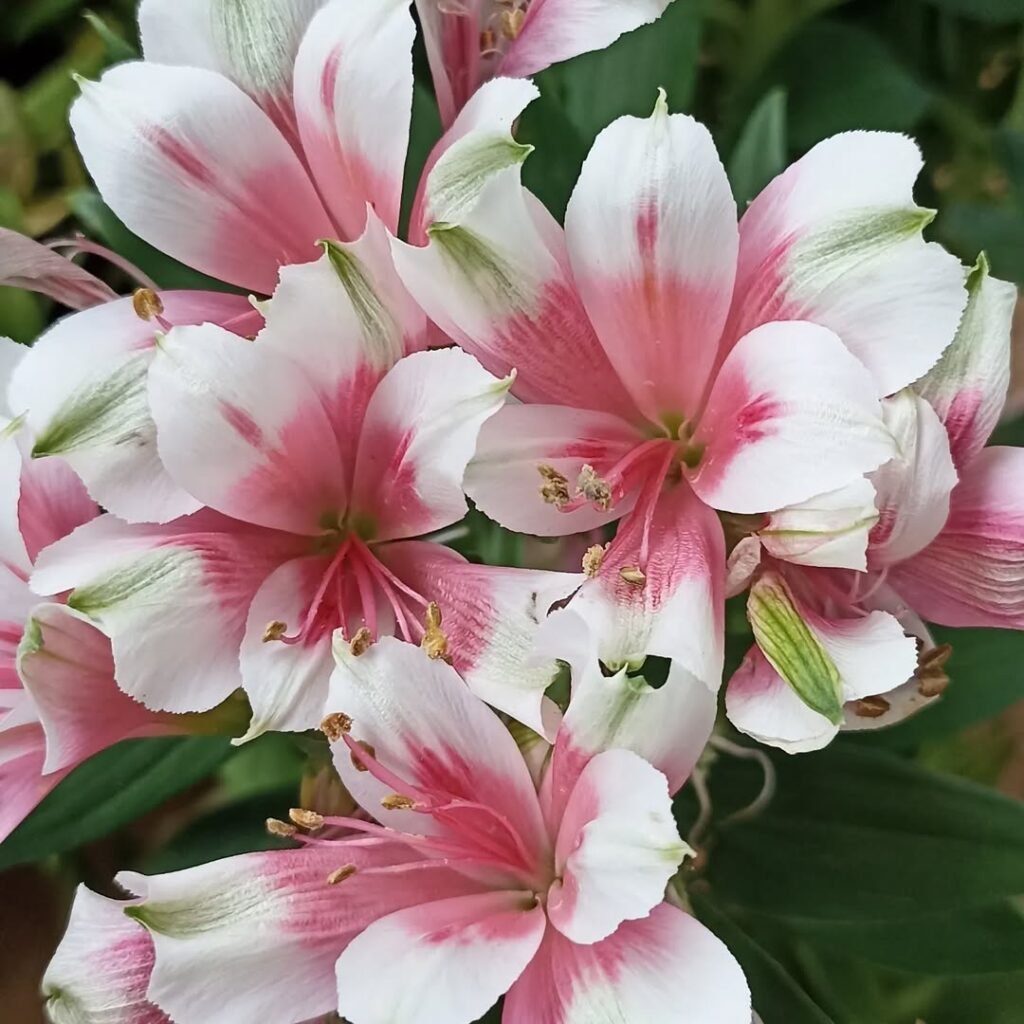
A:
[776,996]
[855,834]
[996,11]
[110,790]
[971,227]
[760,153]
[424,135]
[839,78]
[118,48]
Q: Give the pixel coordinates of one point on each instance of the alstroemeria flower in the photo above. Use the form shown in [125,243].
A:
[59,704]
[473,881]
[321,450]
[947,547]
[470,41]
[673,365]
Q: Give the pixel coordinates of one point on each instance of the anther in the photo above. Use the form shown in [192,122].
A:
[592,559]
[512,23]
[308,820]
[932,679]
[274,631]
[556,486]
[280,828]
[147,304]
[435,641]
[633,575]
[340,874]
[594,489]
[361,642]
[397,802]
[871,707]
[357,761]
[335,726]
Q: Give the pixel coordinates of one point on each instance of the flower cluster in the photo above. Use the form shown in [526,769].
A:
[216,501]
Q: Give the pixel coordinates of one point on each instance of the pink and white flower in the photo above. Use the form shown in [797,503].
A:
[946,545]
[671,364]
[319,451]
[473,882]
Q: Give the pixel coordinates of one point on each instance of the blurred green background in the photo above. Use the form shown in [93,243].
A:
[883,886]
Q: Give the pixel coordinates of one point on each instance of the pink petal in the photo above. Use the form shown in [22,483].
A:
[25,263]
[23,783]
[504,478]
[239,427]
[52,502]
[353,100]
[791,415]
[618,846]
[968,386]
[173,599]
[257,936]
[420,432]
[102,966]
[652,235]
[192,165]
[972,574]
[662,970]
[491,616]
[455,958]
[836,240]
[82,387]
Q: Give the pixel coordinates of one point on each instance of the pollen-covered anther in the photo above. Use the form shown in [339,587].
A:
[592,559]
[335,726]
[555,490]
[594,489]
[633,575]
[871,707]
[397,802]
[147,304]
[340,874]
[311,821]
[931,675]
[435,640]
[511,22]
[357,761]
[274,631]
[361,642]
[280,828]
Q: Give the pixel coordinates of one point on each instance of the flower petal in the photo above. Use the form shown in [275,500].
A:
[836,240]
[192,165]
[652,235]
[258,935]
[968,386]
[791,415]
[26,263]
[972,574]
[21,779]
[102,966]
[663,969]
[67,667]
[420,432]
[353,100]
[240,428]
[82,388]
[490,616]
[914,487]
[173,599]
[505,478]
[618,846]
[454,959]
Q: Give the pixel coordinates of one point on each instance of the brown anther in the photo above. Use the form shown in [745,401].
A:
[357,761]
[633,575]
[488,41]
[146,304]
[931,675]
[308,820]
[594,489]
[280,828]
[512,22]
[592,559]
[435,640]
[340,874]
[556,486]
[361,642]
[274,631]
[397,802]
[870,707]
[335,726]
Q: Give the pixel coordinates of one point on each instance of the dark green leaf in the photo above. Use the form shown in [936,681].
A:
[424,134]
[971,227]
[776,995]
[118,48]
[998,11]
[760,153]
[110,790]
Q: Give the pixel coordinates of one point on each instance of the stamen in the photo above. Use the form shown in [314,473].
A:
[633,575]
[336,726]
[361,642]
[556,486]
[281,828]
[356,761]
[932,679]
[147,304]
[652,503]
[592,559]
[275,631]
[321,591]
[397,802]
[594,489]
[382,774]
[435,641]
[311,821]
[871,707]
[512,23]
[340,874]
